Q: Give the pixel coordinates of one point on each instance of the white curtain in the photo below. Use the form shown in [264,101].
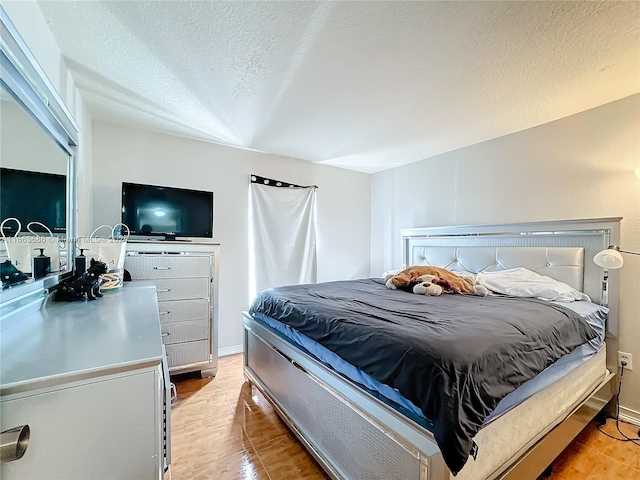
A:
[283,235]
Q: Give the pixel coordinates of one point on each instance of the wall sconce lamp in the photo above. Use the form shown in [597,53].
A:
[611,258]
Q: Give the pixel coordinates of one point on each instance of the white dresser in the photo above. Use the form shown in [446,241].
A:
[186,279]
[88,381]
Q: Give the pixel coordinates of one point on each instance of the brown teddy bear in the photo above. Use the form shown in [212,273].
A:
[428,280]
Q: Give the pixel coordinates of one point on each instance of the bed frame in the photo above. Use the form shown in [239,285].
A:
[353,435]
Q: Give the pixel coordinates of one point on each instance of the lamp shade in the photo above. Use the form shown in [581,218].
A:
[609,258]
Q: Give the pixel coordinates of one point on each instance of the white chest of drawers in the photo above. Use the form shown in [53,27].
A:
[186,279]
[89,380]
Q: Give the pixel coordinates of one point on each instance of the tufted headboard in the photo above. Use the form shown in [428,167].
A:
[559,249]
[565,264]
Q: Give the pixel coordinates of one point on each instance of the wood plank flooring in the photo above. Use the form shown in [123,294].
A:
[223,429]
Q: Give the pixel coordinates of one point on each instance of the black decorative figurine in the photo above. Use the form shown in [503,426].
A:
[85,286]
[10,274]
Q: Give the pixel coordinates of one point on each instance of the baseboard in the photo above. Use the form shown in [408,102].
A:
[231,350]
[630,416]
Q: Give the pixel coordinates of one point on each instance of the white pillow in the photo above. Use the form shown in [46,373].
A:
[520,282]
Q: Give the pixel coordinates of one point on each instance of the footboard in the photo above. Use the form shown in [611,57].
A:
[350,433]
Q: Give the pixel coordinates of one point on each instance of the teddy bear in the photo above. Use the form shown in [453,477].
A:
[428,280]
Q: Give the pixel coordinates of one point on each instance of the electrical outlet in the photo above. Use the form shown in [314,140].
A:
[627,358]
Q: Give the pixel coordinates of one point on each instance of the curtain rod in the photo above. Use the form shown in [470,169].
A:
[270,182]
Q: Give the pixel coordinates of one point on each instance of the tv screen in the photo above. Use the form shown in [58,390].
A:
[33,197]
[171,212]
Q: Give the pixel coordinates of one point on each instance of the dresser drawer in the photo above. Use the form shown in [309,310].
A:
[150,267]
[177,332]
[183,310]
[92,416]
[182,289]
[185,353]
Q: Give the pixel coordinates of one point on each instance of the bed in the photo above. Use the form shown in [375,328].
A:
[358,430]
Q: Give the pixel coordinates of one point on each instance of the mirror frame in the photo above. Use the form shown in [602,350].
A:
[26,82]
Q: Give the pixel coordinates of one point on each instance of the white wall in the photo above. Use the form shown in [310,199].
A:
[25,146]
[28,19]
[581,166]
[125,154]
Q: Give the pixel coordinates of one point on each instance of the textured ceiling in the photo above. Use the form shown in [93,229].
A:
[359,85]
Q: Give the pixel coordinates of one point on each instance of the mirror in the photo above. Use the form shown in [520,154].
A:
[38,140]
[33,184]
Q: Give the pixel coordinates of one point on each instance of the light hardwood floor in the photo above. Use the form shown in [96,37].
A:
[223,429]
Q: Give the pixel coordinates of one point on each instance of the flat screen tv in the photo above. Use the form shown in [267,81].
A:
[152,210]
[33,197]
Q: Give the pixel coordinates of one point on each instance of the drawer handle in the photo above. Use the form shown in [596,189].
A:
[14,443]
[162,268]
[165,334]
[164,313]
[163,290]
